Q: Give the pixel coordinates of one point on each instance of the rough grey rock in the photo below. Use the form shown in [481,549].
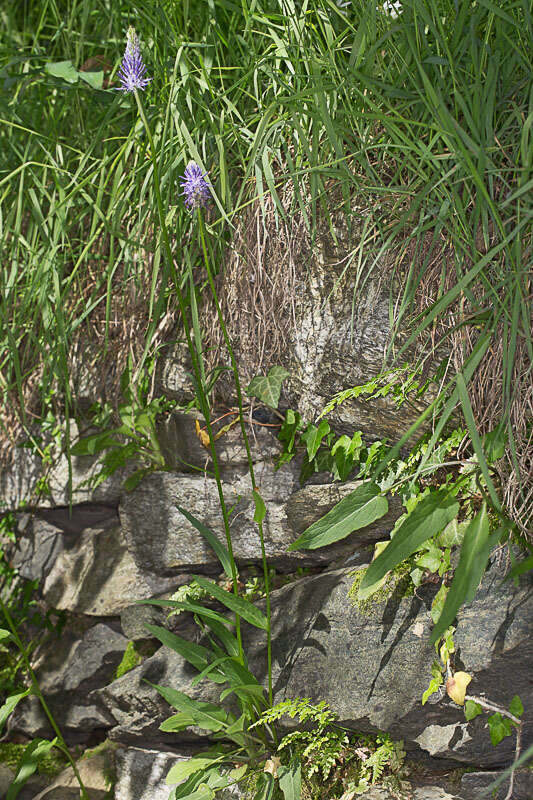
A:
[6,778]
[96,771]
[67,677]
[371,668]
[162,540]
[473,783]
[18,480]
[141,774]
[90,572]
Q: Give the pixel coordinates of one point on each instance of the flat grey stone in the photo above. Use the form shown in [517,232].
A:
[473,783]
[141,774]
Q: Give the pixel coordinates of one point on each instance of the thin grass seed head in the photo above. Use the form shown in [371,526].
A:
[132,71]
[195,187]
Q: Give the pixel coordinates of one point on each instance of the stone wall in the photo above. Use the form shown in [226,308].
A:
[95,559]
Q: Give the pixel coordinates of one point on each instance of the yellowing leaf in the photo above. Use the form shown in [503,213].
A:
[202,435]
[456,687]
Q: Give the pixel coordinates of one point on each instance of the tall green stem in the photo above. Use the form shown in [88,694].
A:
[204,404]
[246,443]
[37,692]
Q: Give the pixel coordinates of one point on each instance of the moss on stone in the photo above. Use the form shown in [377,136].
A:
[131,659]
[398,581]
[50,765]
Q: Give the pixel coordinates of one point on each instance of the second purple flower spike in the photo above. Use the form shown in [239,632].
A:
[132,71]
[195,187]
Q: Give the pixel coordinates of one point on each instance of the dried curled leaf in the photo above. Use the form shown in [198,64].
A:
[272,765]
[202,435]
[456,687]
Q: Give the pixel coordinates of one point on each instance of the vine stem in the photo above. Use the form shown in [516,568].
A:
[503,711]
[37,692]
[204,404]
[246,444]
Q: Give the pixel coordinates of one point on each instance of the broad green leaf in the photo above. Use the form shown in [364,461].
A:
[427,519]
[472,562]
[203,792]
[205,715]
[268,388]
[239,605]
[221,632]
[238,772]
[312,437]
[94,79]
[197,655]
[216,545]
[516,708]
[359,509]
[28,764]
[265,787]
[260,508]
[177,722]
[62,69]
[4,635]
[184,769]
[9,705]
[290,780]
[472,709]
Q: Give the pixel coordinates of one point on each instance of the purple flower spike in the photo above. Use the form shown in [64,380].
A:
[195,187]
[132,71]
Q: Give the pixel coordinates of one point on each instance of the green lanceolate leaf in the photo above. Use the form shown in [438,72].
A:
[239,605]
[177,722]
[197,655]
[265,787]
[260,508]
[184,605]
[28,764]
[205,715]
[216,545]
[427,519]
[472,562]
[359,509]
[9,705]
[268,388]
[290,780]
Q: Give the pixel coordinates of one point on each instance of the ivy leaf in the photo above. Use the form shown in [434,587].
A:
[472,709]
[359,509]
[499,728]
[428,518]
[268,388]
[516,708]
[472,562]
[453,534]
[312,437]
